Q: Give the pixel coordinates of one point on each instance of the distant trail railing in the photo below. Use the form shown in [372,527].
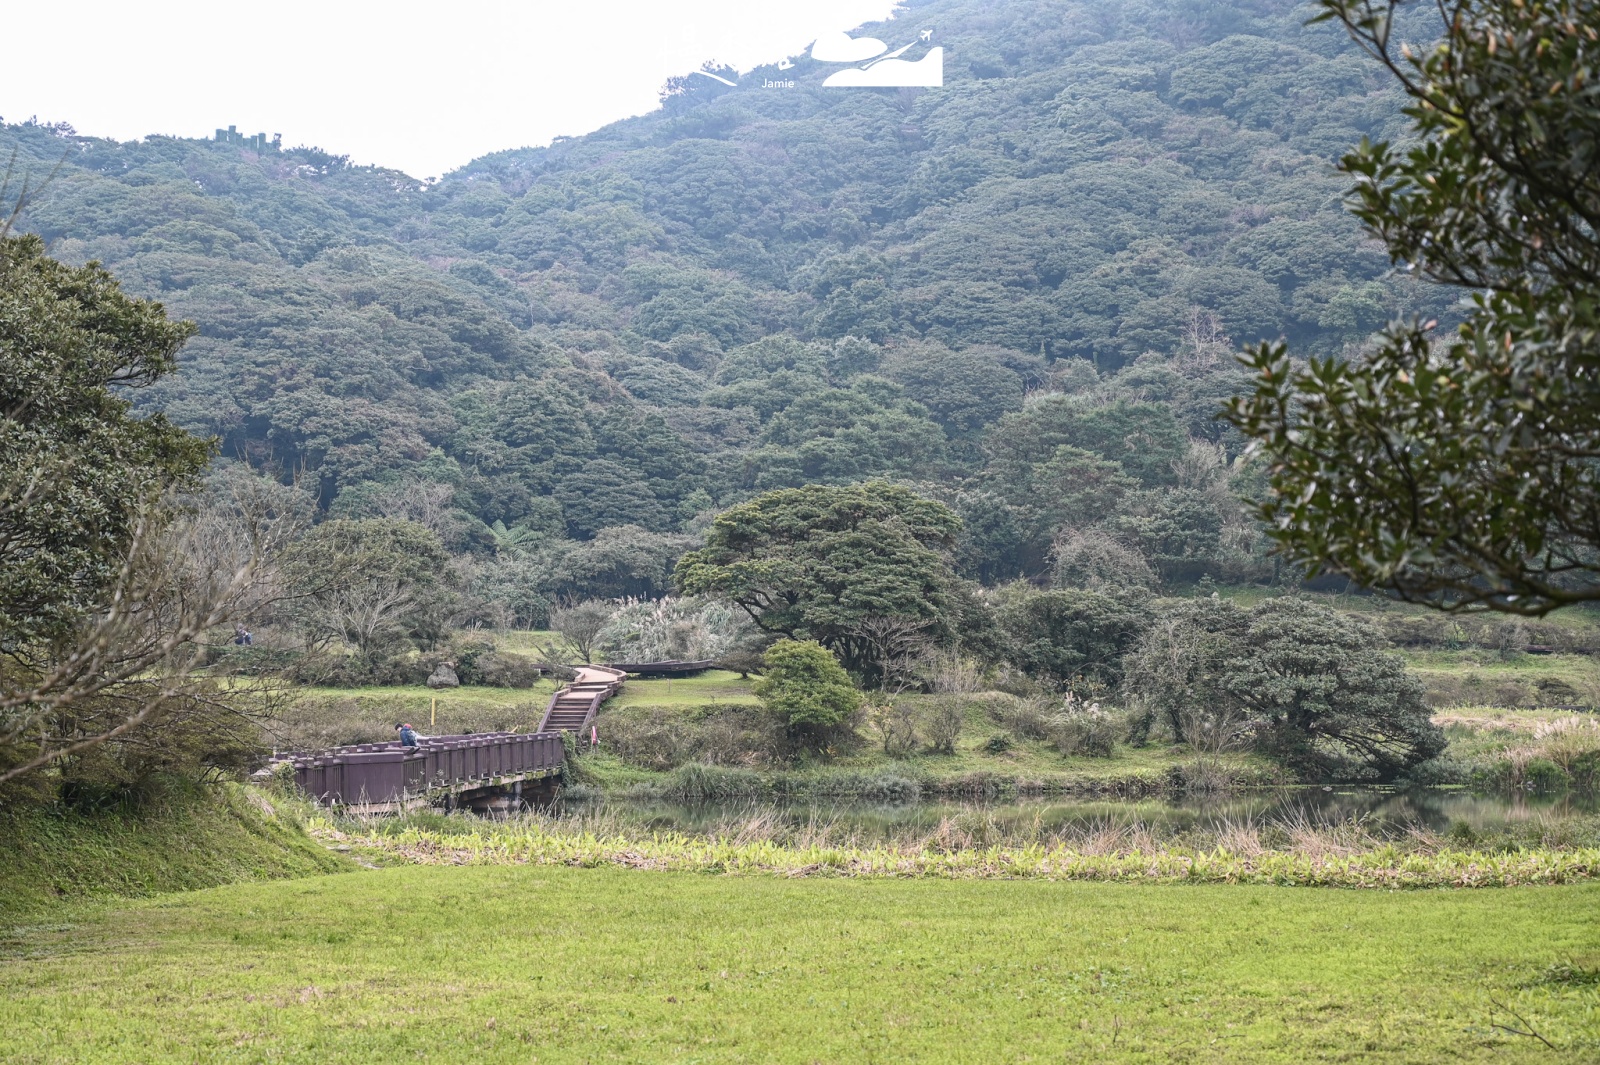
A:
[378,775]
[670,668]
[573,707]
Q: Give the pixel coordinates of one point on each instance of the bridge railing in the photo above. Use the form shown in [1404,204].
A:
[369,773]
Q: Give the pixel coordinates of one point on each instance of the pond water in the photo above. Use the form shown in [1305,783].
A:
[1379,811]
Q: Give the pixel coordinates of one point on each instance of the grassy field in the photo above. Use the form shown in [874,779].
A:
[712,686]
[558,964]
[322,717]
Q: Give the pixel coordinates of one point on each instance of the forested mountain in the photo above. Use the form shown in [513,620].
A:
[1017,292]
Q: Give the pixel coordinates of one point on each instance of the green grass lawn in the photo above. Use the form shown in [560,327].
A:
[415,698]
[712,686]
[559,964]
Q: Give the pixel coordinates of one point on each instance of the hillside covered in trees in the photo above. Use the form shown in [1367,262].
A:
[1017,294]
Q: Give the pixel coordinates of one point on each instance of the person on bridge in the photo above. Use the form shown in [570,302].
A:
[408,735]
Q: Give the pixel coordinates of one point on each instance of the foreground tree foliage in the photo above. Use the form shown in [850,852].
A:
[108,579]
[77,469]
[1462,472]
[843,566]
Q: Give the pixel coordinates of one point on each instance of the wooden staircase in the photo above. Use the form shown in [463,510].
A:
[572,708]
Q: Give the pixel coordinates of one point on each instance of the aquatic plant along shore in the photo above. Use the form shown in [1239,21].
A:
[1289,851]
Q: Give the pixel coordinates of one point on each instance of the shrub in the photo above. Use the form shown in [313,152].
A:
[942,721]
[673,629]
[1026,719]
[1085,729]
[651,740]
[1522,770]
[999,743]
[662,738]
[696,781]
[806,687]
[501,669]
[895,722]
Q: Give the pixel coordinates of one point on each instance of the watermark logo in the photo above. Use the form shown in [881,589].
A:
[880,68]
[871,66]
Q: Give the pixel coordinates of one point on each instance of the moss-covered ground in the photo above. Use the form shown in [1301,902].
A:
[553,964]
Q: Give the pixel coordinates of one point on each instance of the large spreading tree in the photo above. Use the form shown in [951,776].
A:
[107,577]
[78,468]
[1299,681]
[1461,471]
[861,569]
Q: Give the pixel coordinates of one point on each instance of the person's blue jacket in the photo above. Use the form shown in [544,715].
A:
[408,736]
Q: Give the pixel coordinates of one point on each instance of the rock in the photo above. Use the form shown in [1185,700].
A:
[444,677]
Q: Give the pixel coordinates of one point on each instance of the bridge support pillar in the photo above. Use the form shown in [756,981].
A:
[541,792]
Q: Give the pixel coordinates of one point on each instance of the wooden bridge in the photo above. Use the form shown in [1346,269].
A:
[485,771]
[491,770]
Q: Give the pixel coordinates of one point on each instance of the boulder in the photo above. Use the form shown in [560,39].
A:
[444,677]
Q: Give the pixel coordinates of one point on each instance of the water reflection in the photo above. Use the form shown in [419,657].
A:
[1380,811]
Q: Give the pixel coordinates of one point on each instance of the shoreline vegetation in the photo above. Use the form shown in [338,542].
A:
[1293,849]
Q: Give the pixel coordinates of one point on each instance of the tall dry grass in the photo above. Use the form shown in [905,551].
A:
[1292,832]
[1287,849]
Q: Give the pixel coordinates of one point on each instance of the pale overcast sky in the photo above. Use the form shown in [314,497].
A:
[423,87]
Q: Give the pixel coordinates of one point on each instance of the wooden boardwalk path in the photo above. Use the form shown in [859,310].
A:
[493,770]
[490,769]
[573,707]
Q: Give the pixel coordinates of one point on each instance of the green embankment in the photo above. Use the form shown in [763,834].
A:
[557,964]
[50,855]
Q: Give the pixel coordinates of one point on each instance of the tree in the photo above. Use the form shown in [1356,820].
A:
[1326,698]
[117,699]
[1172,672]
[112,568]
[368,582]
[1069,636]
[582,625]
[605,494]
[1094,559]
[964,390]
[1461,472]
[816,562]
[1142,438]
[805,686]
[78,471]
[1314,687]
[622,561]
